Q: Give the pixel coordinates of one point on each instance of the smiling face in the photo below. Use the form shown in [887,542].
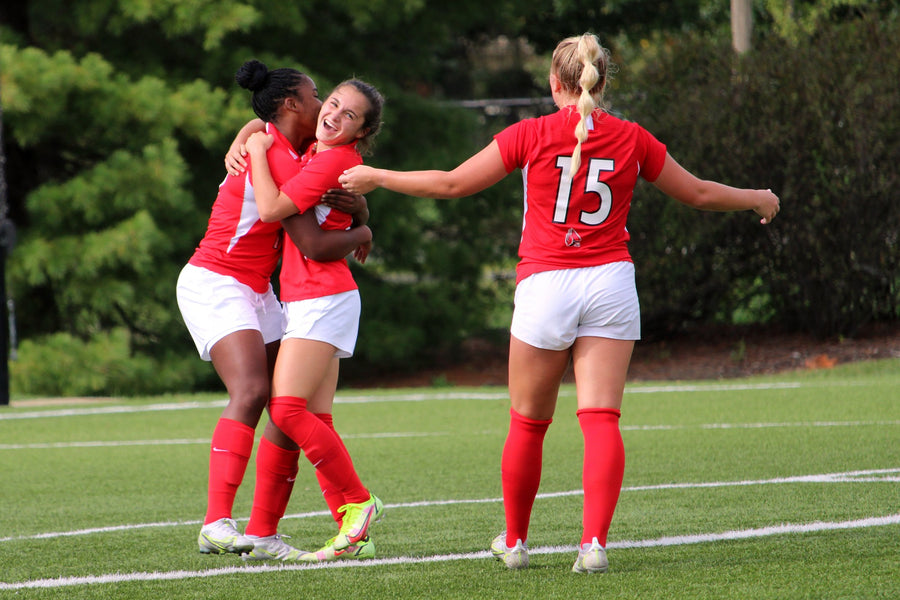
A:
[342,117]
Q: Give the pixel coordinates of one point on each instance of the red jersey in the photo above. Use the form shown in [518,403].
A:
[577,223]
[301,277]
[237,243]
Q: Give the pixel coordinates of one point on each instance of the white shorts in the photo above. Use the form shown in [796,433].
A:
[553,308]
[214,305]
[330,319]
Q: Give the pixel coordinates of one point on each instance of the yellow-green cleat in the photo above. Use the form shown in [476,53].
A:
[364,548]
[356,521]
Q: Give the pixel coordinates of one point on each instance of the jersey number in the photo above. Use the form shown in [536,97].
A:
[596,166]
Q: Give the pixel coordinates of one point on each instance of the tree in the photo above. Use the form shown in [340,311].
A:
[115,150]
[741,25]
[119,113]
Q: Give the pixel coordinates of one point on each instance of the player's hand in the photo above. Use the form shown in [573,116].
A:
[259,142]
[768,207]
[345,201]
[359,179]
[235,163]
[362,252]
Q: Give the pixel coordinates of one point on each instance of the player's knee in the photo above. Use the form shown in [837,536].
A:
[249,400]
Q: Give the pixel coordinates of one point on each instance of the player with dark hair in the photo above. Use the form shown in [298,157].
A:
[228,304]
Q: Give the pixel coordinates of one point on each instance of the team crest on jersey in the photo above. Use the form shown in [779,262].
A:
[573,240]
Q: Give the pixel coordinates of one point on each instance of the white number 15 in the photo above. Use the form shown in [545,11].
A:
[596,166]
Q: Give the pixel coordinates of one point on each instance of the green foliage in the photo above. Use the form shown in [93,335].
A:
[820,127]
[794,22]
[64,365]
[118,113]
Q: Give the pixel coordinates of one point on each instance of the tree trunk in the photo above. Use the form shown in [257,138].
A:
[741,25]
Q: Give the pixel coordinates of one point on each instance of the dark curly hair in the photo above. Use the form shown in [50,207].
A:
[269,88]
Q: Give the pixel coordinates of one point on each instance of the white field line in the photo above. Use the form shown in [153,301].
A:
[867,476]
[412,397]
[414,434]
[181,442]
[783,529]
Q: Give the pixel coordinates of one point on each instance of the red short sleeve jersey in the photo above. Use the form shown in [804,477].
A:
[237,243]
[301,277]
[580,222]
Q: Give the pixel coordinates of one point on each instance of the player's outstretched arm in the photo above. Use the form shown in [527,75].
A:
[677,182]
[479,172]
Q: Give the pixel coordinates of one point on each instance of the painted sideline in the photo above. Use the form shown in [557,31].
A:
[869,476]
[410,397]
[784,529]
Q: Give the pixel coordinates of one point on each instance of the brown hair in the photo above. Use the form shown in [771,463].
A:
[372,118]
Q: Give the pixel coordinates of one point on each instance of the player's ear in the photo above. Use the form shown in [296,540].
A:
[555,85]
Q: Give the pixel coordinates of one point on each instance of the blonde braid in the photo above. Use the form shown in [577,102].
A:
[589,52]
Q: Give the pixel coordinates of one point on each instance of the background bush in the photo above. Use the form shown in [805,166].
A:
[116,115]
[818,122]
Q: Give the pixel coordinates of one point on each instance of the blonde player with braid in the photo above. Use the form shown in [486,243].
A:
[575,289]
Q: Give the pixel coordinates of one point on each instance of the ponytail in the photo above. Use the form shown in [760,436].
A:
[588,52]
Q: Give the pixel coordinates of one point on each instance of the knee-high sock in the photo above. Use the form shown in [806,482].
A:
[604,468]
[521,473]
[334,498]
[276,470]
[232,445]
[320,444]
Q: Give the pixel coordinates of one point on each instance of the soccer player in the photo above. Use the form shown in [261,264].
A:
[322,307]
[575,289]
[227,302]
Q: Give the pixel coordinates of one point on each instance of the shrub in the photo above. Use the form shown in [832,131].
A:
[819,124]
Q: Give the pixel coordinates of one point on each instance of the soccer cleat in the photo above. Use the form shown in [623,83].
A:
[222,536]
[591,559]
[379,510]
[356,520]
[272,547]
[515,557]
[364,548]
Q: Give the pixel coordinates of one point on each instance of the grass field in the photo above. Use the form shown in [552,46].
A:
[776,487]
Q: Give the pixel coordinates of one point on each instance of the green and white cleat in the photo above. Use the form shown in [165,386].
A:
[356,520]
[591,559]
[222,536]
[379,509]
[272,547]
[515,557]
[364,548]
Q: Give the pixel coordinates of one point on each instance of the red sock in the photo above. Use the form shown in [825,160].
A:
[232,444]
[521,473]
[604,468]
[276,470]
[334,498]
[320,444]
